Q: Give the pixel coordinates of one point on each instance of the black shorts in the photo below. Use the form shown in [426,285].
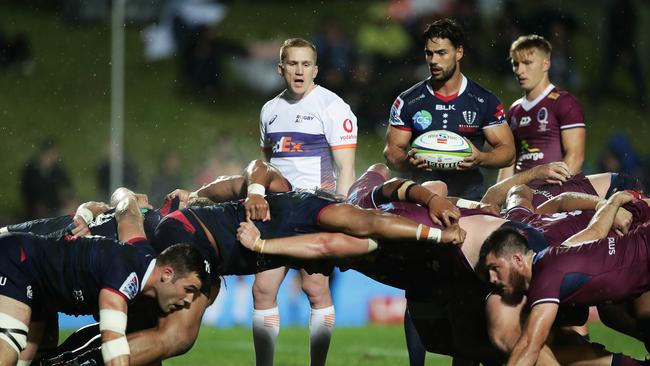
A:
[16,280]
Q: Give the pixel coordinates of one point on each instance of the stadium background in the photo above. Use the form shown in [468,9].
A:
[62,92]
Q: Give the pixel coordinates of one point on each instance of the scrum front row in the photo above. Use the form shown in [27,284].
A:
[558,248]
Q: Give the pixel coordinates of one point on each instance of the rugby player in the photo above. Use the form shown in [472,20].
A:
[94,275]
[547,122]
[591,267]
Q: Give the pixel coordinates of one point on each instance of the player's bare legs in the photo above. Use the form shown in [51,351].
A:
[266,317]
[601,182]
[13,315]
[321,322]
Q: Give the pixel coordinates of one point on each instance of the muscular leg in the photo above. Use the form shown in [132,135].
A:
[13,315]
[266,318]
[316,287]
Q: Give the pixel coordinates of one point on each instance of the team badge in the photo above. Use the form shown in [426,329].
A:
[422,119]
[130,287]
[469,117]
[542,118]
[394,113]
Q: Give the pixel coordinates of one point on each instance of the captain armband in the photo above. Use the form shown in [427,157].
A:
[256,188]
[428,233]
[85,214]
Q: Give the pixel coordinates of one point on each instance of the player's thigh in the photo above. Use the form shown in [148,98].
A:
[266,286]
[316,287]
[348,219]
[12,313]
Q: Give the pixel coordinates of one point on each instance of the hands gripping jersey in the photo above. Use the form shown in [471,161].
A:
[537,126]
[300,135]
[473,109]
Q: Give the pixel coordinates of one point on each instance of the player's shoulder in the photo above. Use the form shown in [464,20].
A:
[416,91]
[477,89]
[517,103]
[326,96]
[559,94]
[273,101]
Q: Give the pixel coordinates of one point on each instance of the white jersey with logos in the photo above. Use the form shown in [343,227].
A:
[301,134]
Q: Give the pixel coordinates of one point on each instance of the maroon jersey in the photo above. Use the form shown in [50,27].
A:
[611,269]
[537,125]
[556,227]
[578,183]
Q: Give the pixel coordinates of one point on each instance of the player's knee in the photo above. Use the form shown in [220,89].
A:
[264,293]
[316,287]
[381,169]
[13,332]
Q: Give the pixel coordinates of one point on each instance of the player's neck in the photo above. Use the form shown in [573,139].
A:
[538,89]
[449,87]
[296,97]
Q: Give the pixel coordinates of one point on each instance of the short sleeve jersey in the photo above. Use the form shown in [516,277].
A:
[474,109]
[613,268]
[537,126]
[578,183]
[556,227]
[301,135]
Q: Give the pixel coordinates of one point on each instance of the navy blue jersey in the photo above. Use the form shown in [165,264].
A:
[102,225]
[420,109]
[66,274]
[292,213]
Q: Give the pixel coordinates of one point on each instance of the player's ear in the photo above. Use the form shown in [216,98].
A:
[281,69]
[546,63]
[460,52]
[315,71]
[518,260]
[167,274]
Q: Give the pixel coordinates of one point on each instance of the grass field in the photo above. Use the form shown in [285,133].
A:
[363,346]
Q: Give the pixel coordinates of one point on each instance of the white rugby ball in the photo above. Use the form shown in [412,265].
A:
[442,150]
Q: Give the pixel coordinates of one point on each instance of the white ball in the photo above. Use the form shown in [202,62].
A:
[442,150]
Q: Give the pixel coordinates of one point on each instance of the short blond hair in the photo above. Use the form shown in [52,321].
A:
[294,43]
[531,42]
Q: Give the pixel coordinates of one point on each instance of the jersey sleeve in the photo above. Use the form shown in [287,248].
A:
[120,275]
[570,113]
[340,126]
[495,113]
[544,286]
[263,140]
[397,118]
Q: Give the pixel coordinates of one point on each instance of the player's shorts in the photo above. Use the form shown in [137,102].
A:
[360,193]
[16,280]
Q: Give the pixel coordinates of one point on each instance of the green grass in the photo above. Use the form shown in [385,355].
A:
[363,346]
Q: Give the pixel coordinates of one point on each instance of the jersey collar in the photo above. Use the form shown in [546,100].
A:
[147,274]
[528,105]
[463,86]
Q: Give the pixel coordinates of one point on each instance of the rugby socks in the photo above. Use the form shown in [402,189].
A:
[320,333]
[266,326]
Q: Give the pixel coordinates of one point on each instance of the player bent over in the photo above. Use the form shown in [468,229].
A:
[93,275]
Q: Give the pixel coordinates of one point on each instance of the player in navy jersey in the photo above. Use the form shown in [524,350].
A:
[93,275]
[448,101]
[591,267]
[548,123]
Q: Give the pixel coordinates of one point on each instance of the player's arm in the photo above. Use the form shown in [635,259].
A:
[503,149]
[533,337]
[112,325]
[259,177]
[398,153]
[602,222]
[85,214]
[344,165]
[441,210]
[573,144]
[129,219]
[569,201]
[556,172]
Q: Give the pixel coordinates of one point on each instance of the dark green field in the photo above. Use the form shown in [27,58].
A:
[365,346]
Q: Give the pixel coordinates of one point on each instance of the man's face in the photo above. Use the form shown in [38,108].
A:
[530,68]
[299,71]
[507,277]
[442,58]
[177,293]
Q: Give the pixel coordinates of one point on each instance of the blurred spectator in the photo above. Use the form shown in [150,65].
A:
[334,55]
[130,173]
[621,48]
[221,159]
[166,179]
[16,53]
[508,27]
[620,156]
[45,186]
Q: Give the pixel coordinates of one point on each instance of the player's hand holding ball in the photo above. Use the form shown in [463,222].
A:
[443,150]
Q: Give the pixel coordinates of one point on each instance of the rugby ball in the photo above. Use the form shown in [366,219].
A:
[442,150]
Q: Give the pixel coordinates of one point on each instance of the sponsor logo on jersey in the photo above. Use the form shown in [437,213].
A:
[78,296]
[286,144]
[275,116]
[3,280]
[525,121]
[442,107]
[348,125]
[301,119]
[130,286]
[102,219]
[30,292]
[394,113]
[207,266]
[421,96]
[611,245]
[422,119]
[469,117]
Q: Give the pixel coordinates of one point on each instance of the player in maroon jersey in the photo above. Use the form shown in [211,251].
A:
[547,122]
[591,267]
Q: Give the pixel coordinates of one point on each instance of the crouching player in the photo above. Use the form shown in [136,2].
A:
[94,275]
